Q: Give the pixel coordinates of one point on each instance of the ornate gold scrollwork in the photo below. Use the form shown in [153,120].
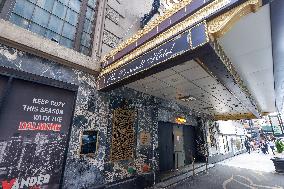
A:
[221,24]
[174,30]
[151,25]
[235,116]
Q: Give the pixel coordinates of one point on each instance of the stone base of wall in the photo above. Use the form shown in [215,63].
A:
[137,182]
[220,157]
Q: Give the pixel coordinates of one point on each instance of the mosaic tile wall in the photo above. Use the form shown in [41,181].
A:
[80,172]
[93,110]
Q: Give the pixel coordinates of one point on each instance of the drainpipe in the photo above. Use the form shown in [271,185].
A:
[280,122]
[271,125]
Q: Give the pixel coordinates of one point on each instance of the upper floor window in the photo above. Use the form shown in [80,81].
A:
[68,22]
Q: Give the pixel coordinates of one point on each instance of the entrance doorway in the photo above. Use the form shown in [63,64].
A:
[179,150]
[177,145]
[166,146]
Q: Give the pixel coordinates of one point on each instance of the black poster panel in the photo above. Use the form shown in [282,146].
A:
[34,129]
[3,82]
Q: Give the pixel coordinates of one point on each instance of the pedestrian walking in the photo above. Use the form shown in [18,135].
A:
[247,145]
[272,145]
[252,145]
[266,147]
[262,147]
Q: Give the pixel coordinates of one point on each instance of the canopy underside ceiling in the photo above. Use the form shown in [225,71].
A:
[250,53]
[190,79]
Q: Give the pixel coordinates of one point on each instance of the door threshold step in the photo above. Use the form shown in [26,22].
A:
[181,171]
[177,179]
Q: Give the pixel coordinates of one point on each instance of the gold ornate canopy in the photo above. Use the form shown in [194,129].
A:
[151,25]
[220,25]
[216,27]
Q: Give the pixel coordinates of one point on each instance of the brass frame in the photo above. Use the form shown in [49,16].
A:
[235,116]
[97,143]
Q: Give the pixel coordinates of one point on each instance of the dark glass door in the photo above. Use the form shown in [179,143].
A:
[189,143]
[166,146]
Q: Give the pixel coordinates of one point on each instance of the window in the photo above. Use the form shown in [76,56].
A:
[58,20]
[85,44]
[1,4]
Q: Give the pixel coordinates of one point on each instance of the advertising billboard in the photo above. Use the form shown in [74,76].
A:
[35,122]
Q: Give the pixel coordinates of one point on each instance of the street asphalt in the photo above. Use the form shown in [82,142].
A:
[246,171]
[227,177]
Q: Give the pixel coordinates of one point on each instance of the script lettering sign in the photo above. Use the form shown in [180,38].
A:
[152,58]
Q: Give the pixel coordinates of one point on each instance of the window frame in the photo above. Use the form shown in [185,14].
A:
[7,7]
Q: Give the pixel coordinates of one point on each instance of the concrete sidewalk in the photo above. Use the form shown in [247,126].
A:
[228,177]
[254,161]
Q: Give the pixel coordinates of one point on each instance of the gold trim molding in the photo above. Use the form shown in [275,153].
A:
[234,116]
[223,23]
[238,116]
[151,25]
[174,30]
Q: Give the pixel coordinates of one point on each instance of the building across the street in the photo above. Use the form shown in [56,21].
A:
[115,93]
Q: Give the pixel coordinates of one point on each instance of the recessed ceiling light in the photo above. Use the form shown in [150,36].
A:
[186,98]
[208,108]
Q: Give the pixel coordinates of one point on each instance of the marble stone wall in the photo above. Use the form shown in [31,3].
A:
[93,110]
[80,171]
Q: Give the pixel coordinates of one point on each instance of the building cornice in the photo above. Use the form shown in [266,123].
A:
[22,39]
[221,24]
[190,21]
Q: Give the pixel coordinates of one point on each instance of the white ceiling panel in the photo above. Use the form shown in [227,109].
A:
[155,85]
[196,82]
[175,80]
[147,80]
[248,45]
[194,73]
[185,66]
[186,87]
[164,74]
[206,82]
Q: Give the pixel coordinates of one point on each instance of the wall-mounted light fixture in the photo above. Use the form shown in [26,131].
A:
[180,120]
